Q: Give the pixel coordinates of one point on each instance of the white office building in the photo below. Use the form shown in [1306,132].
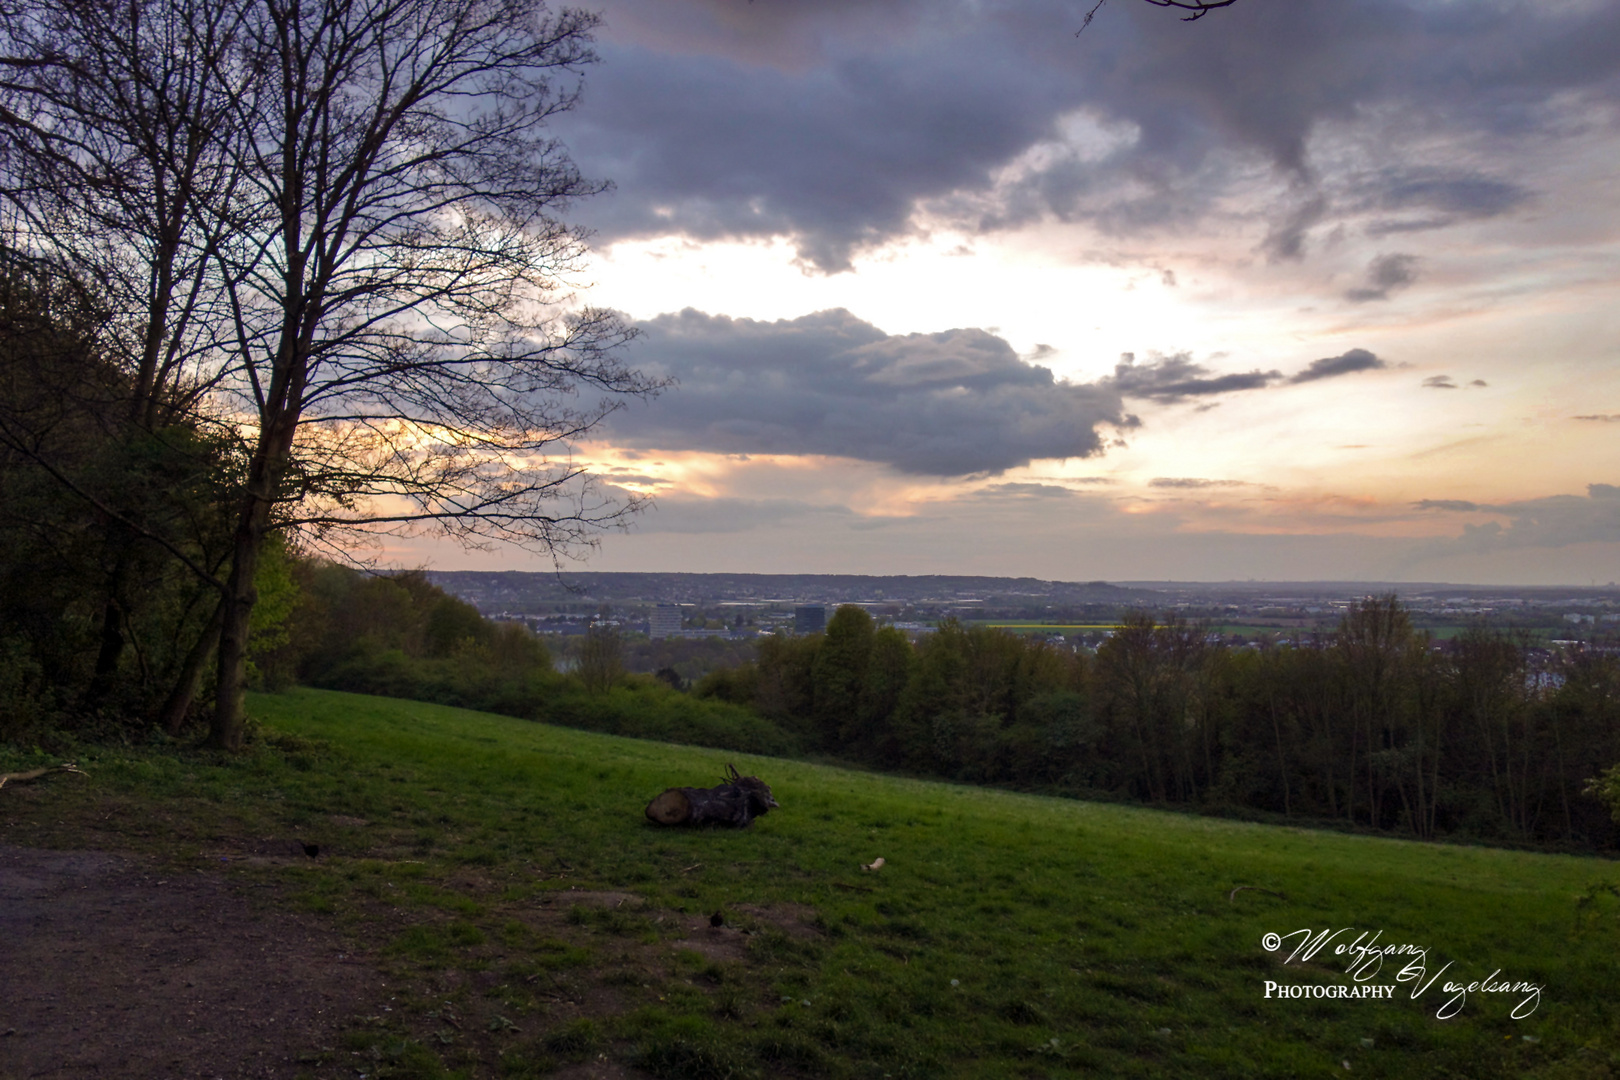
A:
[665,621]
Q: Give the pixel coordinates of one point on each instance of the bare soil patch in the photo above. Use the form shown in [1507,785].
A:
[112,966]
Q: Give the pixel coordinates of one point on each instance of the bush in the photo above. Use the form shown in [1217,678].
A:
[644,708]
[23,690]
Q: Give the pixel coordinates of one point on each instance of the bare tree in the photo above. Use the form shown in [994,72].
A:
[389,329]
[110,119]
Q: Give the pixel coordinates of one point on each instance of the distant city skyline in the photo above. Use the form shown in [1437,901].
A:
[1304,290]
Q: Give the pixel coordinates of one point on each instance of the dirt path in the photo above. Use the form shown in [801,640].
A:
[110,968]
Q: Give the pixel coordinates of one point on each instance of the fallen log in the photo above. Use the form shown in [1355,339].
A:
[35,774]
[737,802]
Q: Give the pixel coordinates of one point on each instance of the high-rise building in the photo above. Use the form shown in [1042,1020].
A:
[809,619]
[665,621]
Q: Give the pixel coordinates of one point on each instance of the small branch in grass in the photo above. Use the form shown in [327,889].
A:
[852,888]
[35,774]
[1232,896]
[691,868]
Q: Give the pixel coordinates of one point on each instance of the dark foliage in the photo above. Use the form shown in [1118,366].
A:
[100,513]
[1376,726]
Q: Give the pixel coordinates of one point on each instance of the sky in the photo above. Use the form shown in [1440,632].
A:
[1304,289]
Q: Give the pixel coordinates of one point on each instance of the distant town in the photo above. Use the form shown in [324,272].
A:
[1081,614]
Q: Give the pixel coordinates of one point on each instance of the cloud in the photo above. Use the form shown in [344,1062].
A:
[1286,240]
[1445,504]
[1385,274]
[1602,418]
[832,123]
[618,477]
[1345,364]
[1172,379]
[835,153]
[1553,522]
[1191,482]
[681,513]
[1026,491]
[1439,382]
[955,403]
[948,404]
[1433,198]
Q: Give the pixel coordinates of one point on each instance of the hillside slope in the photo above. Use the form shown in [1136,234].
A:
[528,919]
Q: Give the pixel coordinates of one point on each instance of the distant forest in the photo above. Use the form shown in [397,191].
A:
[1374,725]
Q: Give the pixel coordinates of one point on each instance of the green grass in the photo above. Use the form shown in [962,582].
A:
[1006,936]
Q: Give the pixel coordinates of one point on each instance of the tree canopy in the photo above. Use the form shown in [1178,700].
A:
[328,233]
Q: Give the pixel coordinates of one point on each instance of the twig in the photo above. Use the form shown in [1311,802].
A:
[1092,14]
[1232,896]
[689,869]
[34,774]
[1199,9]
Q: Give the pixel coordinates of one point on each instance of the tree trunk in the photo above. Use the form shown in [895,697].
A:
[113,617]
[172,717]
[1282,761]
[227,727]
[109,653]
[279,418]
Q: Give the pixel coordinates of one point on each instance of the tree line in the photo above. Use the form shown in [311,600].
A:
[1373,725]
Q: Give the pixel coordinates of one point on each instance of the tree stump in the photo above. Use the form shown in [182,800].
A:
[737,802]
[673,807]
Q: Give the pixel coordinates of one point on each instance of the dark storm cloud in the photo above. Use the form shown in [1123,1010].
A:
[1385,274]
[829,123]
[946,404]
[1169,380]
[835,156]
[1346,364]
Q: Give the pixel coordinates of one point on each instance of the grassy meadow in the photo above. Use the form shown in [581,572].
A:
[528,919]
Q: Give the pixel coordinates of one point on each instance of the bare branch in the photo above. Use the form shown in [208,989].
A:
[1198,9]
